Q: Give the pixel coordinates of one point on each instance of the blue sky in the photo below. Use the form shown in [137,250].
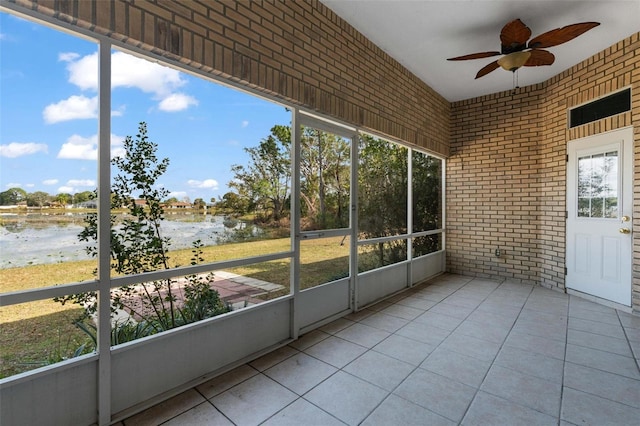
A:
[48,115]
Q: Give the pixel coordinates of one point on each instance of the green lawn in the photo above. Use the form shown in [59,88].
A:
[38,333]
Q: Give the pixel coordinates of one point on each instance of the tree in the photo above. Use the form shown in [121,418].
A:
[382,196]
[138,246]
[38,199]
[382,188]
[427,201]
[233,204]
[266,179]
[325,178]
[64,199]
[199,204]
[84,196]
[12,196]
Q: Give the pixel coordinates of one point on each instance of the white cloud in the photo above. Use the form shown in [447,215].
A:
[77,185]
[75,107]
[81,182]
[131,72]
[119,112]
[83,71]
[13,185]
[17,149]
[126,71]
[177,194]
[68,57]
[177,102]
[50,181]
[245,123]
[81,148]
[206,184]
[29,185]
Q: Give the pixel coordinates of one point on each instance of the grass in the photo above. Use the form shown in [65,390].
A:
[42,332]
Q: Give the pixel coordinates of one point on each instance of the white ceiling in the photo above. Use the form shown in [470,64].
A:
[422,34]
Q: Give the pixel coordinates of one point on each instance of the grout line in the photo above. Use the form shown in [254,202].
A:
[564,360]
[457,288]
[417,366]
[499,349]
[624,331]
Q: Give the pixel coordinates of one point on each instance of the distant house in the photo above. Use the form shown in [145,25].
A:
[91,204]
[179,205]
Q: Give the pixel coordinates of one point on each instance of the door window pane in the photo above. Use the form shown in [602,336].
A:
[598,185]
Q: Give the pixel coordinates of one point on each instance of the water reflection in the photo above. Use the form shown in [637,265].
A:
[16,222]
[29,239]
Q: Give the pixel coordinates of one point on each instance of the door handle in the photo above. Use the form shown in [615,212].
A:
[624,230]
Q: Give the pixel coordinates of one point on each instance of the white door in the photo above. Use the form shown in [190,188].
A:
[599,207]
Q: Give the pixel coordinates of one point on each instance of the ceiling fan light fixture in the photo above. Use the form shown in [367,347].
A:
[513,61]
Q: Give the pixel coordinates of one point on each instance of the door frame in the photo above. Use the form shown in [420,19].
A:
[328,301]
[626,134]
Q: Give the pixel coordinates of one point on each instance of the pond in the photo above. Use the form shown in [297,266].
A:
[35,238]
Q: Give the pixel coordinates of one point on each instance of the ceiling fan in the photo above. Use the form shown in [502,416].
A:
[518,52]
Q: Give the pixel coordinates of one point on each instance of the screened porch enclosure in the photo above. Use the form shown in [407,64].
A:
[371,221]
[359,228]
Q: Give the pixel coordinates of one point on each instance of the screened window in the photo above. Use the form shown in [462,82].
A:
[382,188]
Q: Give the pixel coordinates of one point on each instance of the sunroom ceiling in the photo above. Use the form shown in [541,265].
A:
[422,34]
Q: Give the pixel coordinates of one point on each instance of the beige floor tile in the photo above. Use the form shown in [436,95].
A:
[167,410]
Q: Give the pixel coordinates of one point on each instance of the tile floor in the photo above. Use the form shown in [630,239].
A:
[456,351]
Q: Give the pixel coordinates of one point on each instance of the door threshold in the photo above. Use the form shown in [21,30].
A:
[600,301]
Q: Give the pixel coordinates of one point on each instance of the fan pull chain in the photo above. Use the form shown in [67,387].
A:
[515,82]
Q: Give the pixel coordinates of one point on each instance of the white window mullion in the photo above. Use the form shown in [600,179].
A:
[104,229]
[410,216]
[353,221]
[295,221]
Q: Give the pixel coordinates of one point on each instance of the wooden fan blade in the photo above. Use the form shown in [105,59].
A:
[486,70]
[561,35]
[474,56]
[514,36]
[540,57]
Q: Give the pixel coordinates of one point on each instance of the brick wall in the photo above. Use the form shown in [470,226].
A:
[507,171]
[493,186]
[297,51]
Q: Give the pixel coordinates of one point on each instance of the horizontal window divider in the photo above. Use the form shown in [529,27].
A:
[35,294]
[195,269]
[425,233]
[383,239]
[327,125]
[325,233]
[399,237]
